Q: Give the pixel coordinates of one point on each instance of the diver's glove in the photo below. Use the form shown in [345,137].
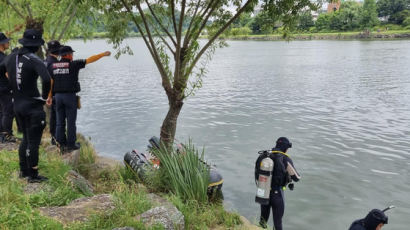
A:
[291,186]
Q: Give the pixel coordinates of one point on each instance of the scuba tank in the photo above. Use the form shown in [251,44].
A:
[264,179]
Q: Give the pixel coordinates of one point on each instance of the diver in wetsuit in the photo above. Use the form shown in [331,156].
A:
[24,68]
[375,220]
[276,198]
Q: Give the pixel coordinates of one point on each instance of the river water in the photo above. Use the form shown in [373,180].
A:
[345,105]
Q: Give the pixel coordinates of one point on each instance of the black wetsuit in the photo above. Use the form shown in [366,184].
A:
[66,85]
[53,115]
[358,225]
[28,103]
[276,200]
[6,102]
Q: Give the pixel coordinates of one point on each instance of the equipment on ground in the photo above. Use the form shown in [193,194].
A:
[141,162]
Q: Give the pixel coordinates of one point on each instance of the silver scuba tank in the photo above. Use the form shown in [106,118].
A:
[264,180]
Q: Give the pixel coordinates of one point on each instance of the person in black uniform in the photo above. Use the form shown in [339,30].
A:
[53,48]
[24,68]
[276,198]
[375,220]
[6,101]
[66,86]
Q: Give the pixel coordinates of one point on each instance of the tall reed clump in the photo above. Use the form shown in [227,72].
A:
[184,173]
[87,157]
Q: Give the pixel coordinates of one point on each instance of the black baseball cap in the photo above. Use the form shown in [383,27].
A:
[64,50]
[53,47]
[3,38]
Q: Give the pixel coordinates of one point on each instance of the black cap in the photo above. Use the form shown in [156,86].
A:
[283,144]
[374,218]
[53,47]
[3,39]
[65,50]
[32,37]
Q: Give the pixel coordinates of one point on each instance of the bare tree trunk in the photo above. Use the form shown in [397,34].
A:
[169,124]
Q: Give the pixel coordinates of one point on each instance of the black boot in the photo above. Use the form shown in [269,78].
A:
[35,177]
[23,174]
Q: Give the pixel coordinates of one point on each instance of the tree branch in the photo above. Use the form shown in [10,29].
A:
[165,81]
[211,8]
[29,11]
[15,9]
[67,24]
[174,22]
[190,23]
[220,31]
[163,40]
[67,9]
[160,24]
[180,52]
[139,27]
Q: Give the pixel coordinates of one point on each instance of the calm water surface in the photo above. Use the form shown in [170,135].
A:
[345,105]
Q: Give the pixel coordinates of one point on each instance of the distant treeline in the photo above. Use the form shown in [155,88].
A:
[351,16]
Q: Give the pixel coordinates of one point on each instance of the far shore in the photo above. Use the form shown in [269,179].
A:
[357,35]
[387,35]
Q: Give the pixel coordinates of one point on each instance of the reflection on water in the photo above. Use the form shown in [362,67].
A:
[345,105]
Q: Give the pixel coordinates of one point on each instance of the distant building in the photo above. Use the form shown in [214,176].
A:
[333,6]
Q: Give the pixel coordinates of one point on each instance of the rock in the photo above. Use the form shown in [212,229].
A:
[32,188]
[72,158]
[167,216]
[246,224]
[9,146]
[157,200]
[102,166]
[52,149]
[80,183]
[80,210]
[124,228]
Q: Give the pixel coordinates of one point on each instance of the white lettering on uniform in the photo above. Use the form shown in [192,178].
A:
[61,71]
[18,77]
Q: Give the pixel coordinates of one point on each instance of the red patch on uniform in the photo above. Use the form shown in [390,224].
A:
[61,65]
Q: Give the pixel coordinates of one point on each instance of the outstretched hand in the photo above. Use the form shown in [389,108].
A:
[49,101]
[107,53]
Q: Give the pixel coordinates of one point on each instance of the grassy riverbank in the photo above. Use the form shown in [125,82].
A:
[390,34]
[19,208]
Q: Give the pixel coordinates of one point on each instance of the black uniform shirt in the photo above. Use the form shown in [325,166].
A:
[65,75]
[4,82]
[24,75]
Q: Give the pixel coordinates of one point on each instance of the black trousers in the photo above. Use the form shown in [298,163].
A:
[6,113]
[66,107]
[33,121]
[53,119]
[277,203]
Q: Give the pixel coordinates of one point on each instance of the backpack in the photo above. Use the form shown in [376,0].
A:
[280,176]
